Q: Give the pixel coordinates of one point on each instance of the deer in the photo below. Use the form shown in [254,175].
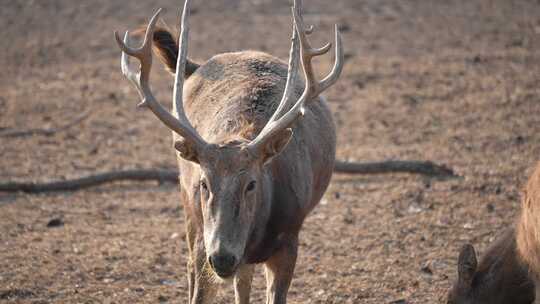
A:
[528,228]
[510,268]
[501,277]
[255,147]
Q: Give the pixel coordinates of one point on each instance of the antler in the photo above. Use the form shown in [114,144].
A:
[312,89]
[140,79]
[313,86]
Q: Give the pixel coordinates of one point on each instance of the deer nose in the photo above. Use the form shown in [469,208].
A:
[224,264]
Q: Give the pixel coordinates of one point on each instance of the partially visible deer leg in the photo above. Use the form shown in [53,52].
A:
[279,272]
[204,283]
[537,296]
[191,278]
[242,284]
[190,239]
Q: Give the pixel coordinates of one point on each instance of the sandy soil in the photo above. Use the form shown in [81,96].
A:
[457,82]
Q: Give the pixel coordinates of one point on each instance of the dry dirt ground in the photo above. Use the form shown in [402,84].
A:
[457,82]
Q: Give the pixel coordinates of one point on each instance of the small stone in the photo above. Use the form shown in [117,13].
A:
[427,269]
[468,226]
[477,59]
[55,222]
[413,209]
[348,219]
[168,282]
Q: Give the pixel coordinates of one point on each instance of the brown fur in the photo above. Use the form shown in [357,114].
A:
[528,228]
[510,270]
[501,277]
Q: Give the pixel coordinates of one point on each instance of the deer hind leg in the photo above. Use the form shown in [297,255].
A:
[279,272]
[242,284]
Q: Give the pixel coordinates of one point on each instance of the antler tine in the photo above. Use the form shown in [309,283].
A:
[288,94]
[303,32]
[181,64]
[292,77]
[130,74]
[312,87]
[308,53]
[140,79]
[333,76]
[146,48]
[143,54]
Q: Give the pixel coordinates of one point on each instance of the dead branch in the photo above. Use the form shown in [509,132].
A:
[394,166]
[45,131]
[415,167]
[91,180]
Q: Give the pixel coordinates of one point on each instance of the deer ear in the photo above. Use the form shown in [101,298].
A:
[276,145]
[467,264]
[187,150]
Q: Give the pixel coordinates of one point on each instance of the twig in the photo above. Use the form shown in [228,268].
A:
[418,167]
[45,131]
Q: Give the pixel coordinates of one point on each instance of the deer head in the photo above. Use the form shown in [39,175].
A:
[499,278]
[232,175]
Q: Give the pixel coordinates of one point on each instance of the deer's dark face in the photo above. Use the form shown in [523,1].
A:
[470,287]
[497,281]
[232,191]
[482,293]
[462,295]
[229,193]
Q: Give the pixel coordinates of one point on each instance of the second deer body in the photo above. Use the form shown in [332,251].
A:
[509,271]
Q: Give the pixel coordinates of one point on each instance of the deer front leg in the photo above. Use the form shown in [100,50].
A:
[242,283]
[190,240]
[279,272]
[537,296]
[191,278]
[203,284]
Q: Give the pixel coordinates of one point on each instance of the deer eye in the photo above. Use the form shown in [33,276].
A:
[251,186]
